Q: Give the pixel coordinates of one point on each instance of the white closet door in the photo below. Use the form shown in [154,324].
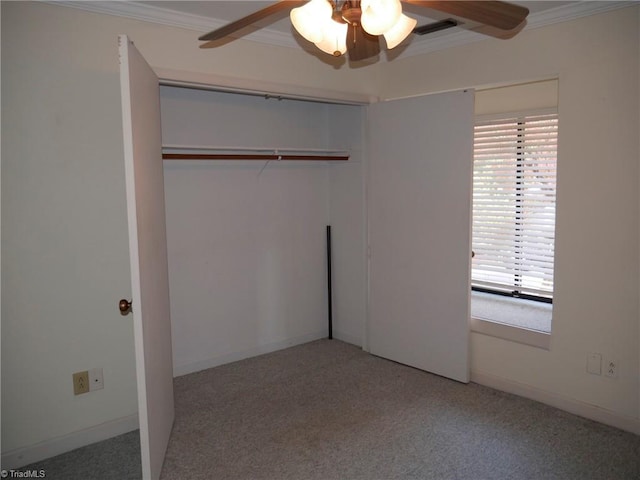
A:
[148,255]
[420,177]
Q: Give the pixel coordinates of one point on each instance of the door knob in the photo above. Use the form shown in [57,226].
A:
[125,307]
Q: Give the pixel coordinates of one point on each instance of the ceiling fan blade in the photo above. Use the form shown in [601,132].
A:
[496,14]
[233,27]
[497,33]
[360,44]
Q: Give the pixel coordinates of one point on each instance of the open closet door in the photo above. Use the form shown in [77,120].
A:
[148,255]
[420,182]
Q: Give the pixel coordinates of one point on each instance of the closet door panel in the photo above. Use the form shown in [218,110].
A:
[420,177]
[148,255]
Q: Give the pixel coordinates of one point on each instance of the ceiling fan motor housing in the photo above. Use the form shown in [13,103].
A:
[351,12]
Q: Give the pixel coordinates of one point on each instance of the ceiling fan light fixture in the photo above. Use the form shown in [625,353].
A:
[310,19]
[368,20]
[335,38]
[401,30]
[378,16]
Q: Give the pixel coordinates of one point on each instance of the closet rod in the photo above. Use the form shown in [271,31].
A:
[274,150]
[235,156]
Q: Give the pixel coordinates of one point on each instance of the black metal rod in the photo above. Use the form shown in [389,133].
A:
[329,282]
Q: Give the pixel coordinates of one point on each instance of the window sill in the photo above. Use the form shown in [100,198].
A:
[517,320]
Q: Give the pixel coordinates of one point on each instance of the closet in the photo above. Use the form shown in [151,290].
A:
[246,237]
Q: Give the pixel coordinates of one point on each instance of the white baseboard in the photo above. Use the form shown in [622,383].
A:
[347,338]
[179,370]
[592,412]
[50,448]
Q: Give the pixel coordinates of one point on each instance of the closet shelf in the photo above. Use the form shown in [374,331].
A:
[207,152]
[245,156]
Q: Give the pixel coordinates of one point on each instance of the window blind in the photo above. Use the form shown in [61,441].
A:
[514,198]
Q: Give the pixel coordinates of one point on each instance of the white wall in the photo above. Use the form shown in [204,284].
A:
[348,225]
[64,246]
[64,237]
[247,261]
[597,248]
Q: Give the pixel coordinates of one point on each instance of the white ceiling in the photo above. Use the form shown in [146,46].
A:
[233,10]
[204,16]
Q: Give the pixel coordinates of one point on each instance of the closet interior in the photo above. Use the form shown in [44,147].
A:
[251,182]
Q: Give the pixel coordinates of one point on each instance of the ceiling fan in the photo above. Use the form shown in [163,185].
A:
[355,26]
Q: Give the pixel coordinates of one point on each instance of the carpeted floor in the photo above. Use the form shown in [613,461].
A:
[327,410]
[116,458]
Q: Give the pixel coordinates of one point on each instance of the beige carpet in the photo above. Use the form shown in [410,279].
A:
[327,410]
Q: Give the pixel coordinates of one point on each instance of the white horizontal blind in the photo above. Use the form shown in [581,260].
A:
[514,194]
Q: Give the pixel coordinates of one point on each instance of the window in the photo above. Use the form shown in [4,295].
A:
[514,193]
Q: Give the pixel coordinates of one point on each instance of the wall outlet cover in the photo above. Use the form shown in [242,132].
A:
[611,368]
[80,382]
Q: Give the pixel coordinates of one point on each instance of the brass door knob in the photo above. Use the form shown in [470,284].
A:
[125,307]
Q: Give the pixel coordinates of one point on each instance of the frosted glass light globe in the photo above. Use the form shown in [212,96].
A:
[310,19]
[401,30]
[335,39]
[378,16]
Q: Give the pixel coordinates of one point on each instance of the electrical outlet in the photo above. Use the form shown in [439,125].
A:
[80,382]
[611,369]
[96,380]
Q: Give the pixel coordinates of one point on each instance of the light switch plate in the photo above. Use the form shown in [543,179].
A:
[594,363]
[96,380]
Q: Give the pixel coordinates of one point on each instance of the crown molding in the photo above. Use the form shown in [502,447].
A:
[563,13]
[573,11]
[165,16]
[172,18]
